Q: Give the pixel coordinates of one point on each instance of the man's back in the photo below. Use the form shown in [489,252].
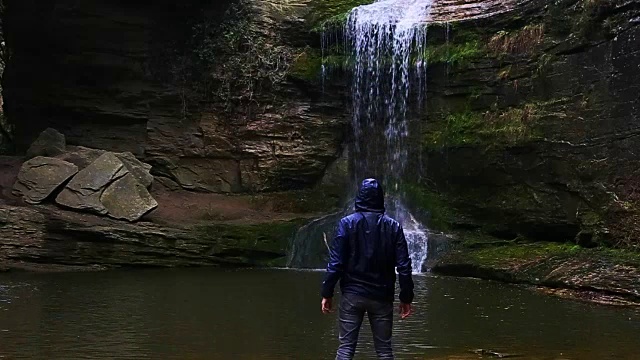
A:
[367,248]
[374,245]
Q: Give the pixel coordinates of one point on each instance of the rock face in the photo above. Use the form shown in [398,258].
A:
[49,143]
[47,238]
[531,129]
[604,276]
[246,126]
[108,187]
[140,172]
[41,176]
[86,188]
[127,199]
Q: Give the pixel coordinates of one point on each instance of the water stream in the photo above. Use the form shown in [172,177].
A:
[383,39]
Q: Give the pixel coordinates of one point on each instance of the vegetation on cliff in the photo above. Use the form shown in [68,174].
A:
[332,14]
[260,244]
[498,127]
[529,101]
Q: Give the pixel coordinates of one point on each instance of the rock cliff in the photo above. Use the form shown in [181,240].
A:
[197,88]
[529,134]
[530,146]
[533,121]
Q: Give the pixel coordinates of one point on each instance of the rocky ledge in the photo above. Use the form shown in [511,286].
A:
[45,238]
[186,228]
[605,276]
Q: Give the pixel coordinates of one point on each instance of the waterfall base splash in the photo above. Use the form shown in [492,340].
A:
[388,43]
[309,250]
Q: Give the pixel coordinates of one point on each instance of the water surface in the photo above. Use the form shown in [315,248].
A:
[259,314]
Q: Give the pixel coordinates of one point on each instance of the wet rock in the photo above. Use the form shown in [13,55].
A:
[127,199]
[47,238]
[493,353]
[49,143]
[41,176]
[592,274]
[85,189]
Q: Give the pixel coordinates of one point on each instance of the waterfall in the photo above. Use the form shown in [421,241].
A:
[384,39]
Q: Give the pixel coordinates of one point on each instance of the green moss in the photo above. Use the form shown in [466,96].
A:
[459,55]
[258,244]
[496,128]
[544,64]
[591,219]
[419,197]
[620,255]
[306,65]
[502,255]
[332,13]
[507,254]
[520,42]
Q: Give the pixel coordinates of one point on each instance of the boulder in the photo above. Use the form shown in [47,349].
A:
[127,199]
[49,143]
[83,157]
[84,190]
[115,184]
[41,176]
[141,171]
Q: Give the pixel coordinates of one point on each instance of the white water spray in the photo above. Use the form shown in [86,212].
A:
[385,37]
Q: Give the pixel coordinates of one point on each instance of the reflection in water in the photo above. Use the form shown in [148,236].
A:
[254,314]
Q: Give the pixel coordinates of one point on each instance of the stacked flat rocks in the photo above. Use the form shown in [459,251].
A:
[97,181]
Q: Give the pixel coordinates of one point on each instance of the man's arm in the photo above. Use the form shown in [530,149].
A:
[403,265]
[337,260]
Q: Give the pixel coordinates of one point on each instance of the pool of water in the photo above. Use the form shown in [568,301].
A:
[275,314]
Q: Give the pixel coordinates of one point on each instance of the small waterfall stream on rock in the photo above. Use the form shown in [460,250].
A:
[383,38]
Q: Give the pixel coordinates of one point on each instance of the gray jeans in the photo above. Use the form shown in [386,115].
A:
[352,309]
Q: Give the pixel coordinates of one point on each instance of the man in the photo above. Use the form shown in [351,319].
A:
[367,246]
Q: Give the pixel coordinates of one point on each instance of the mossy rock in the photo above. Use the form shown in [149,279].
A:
[307,65]
[496,127]
[602,272]
[332,13]
[321,199]
[263,244]
[421,199]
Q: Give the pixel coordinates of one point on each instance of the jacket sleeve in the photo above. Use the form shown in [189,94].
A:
[337,259]
[403,266]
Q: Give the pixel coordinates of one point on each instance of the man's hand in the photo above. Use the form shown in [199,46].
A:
[327,305]
[405,310]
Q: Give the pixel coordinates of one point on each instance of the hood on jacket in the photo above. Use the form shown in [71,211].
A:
[370,197]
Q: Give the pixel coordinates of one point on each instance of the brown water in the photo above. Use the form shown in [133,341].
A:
[258,314]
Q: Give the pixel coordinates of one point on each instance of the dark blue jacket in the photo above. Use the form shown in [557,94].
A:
[367,249]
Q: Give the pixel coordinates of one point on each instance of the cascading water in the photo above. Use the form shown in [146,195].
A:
[385,37]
